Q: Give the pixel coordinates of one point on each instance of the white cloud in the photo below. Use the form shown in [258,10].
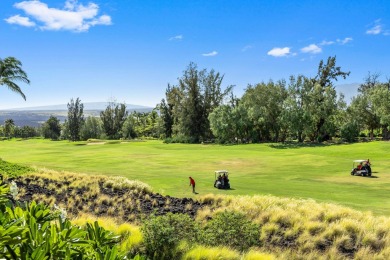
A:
[327,42]
[176,38]
[377,29]
[19,20]
[247,47]
[73,17]
[279,52]
[312,48]
[210,54]
[344,41]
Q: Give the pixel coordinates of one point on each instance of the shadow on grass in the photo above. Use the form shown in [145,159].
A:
[79,144]
[294,145]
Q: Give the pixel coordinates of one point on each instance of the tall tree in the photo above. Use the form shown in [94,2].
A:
[324,96]
[192,115]
[11,72]
[113,118]
[167,117]
[9,126]
[52,128]
[264,103]
[75,119]
[185,112]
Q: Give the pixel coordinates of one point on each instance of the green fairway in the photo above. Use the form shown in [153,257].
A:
[319,172]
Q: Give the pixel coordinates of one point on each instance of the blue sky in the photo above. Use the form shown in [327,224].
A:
[130,50]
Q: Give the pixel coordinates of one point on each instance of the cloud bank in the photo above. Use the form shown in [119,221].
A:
[73,17]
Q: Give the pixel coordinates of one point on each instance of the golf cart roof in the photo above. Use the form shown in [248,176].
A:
[221,171]
[359,160]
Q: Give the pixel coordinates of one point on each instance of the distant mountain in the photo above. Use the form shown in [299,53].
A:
[36,116]
[87,106]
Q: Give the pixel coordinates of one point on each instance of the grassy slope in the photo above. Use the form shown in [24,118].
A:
[320,172]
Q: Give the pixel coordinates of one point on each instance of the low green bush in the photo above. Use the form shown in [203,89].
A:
[12,170]
[231,229]
[162,234]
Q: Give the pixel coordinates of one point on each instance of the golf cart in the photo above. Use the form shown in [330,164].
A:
[361,167]
[222,179]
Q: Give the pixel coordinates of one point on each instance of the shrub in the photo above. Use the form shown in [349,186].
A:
[232,229]
[162,234]
[13,170]
[349,132]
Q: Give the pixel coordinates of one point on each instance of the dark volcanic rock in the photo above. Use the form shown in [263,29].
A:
[116,202]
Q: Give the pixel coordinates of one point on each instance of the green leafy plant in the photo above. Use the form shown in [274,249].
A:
[163,233]
[232,229]
[33,231]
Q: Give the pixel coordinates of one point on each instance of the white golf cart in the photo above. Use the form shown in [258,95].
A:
[222,179]
[361,167]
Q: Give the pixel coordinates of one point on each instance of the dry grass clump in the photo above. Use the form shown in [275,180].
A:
[256,255]
[211,253]
[308,228]
[131,240]
[120,183]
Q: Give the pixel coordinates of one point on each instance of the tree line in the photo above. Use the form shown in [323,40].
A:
[115,122]
[198,109]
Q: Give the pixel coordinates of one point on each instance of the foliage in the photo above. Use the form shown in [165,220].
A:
[75,119]
[52,128]
[113,118]
[10,72]
[306,107]
[264,105]
[25,132]
[232,229]
[9,126]
[91,129]
[350,131]
[33,231]
[167,117]
[138,125]
[163,233]
[11,170]
[188,105]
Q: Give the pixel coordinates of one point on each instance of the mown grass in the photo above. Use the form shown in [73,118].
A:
[321,172]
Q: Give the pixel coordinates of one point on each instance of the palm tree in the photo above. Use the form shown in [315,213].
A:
[11,71]
[9,125]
